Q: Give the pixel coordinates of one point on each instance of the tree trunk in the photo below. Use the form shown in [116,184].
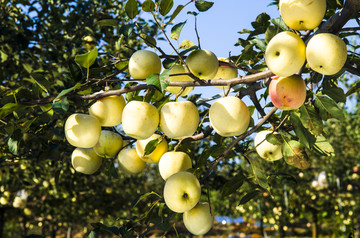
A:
[68,233]
[2,221]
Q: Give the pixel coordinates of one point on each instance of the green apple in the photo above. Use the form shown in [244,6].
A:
[287,93]
[198,220]
[89,43]
[179,69]
[130,162]
[85,160]
[182,192]
[229,116]
[326,53]
[109,144]
[173,162]
[265,148]
[179,120]
[302,14]
[82,130]
[140,119]
[225,72]
[203,64]
[285,54]
[143,63]
[108,110]
[154,156]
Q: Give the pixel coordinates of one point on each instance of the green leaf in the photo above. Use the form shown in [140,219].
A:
[165,6]
[94,234]
[295,154]
[110,229]
[75,71]
[280,24]
[164,79]
[9,108]
[151,145]
[122,65]
[175,13]
[142,197]
[149,40]
[335,93]
[108,22]
[258,172]
[233,184]
[259,43]
[87,59]
[305,137]
[354,89]
[203,6]
[271,31]
[3,56]
[148,6]
[311,119]
[176,30]
[249,196]
[328,108]
[131,8]
[274,138]
[13,146]
[323,146]
[127,29]
[61,106]
[112,171]
[66,91]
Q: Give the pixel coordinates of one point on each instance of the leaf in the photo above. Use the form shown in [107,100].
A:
[13,146]
[9,108]
[151,145]
[270,32]
[323,146]
[149,40]
[274,138]
[295,154]
[305,137]
[110,229]
[249,196]
[258,173]
[203,6]
[176,30]
[87,59]
[148,6]
[279,23]
[175,13]
[165,6]
[335,93]
[75,71]
[311,119]
[259,43]
[94,233]
[112,171]
[127,29]
[328,108]
[142,197]
[233,184]
[61,106]
[122,65]
[66,91]
[354,89]
[131,9]
[108,22]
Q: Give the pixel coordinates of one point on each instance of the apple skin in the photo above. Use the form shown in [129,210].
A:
[203,64]
[108,110]
[173,162]
[82,130]
[287,93]
[225,72]
[182,192]
[198,220]
[285,54]
[302,14]
[179,69]
[154,156]
[109,144]
[143,63]
[179,120]
[326,53]
[140,119]
[265,149]
[229,116]
[85,160]
[130,162]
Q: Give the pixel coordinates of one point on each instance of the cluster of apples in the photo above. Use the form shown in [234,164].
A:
[286,52]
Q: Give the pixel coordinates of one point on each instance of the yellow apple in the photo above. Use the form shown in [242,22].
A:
[266,149]
[89,43]
[285,54]
[143,63]
[154,156]
[287,93]
[130,161]
[27,211]
[229,116]
[3,201]
[182,192]
[198,220]
[179,69]
[140,119]
[302,14]
[82,130]
[326,53]
[173,162]
[19,202]
[109,144]
[203,64]
[179,120]
[225,72]
[85,160]
[108,110]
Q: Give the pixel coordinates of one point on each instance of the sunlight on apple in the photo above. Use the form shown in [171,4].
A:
[108,110]
[85,160]
[198,220]
[173,162]
[143,63]
[154,156]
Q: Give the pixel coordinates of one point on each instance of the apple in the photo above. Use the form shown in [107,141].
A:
[172,162]
[19,202]
[85,160]
[179,69]
[108,110]
[287,93]
[140,119]
[285,54]
[198,220]
[302,14]
[109,144]
[82,130]
[130,161]
[229,116]
[143,63]
[326,53]
[182,191]
[225,72]
[265,148]
[179,120]
[203,64]
[154,156]
[89,43]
